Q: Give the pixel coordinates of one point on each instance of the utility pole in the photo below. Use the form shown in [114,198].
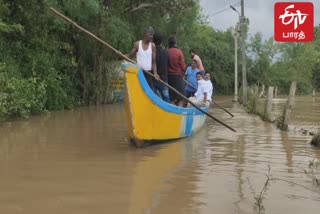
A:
[235,35]
[243,53]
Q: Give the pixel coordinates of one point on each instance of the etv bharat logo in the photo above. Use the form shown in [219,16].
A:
[293,21]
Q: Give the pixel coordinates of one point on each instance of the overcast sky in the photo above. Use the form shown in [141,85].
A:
[259,12]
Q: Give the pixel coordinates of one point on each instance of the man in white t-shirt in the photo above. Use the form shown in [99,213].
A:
[207,78]
[202,97]
[145,51]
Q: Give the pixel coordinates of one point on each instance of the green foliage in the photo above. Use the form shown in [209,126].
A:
[297,62]
[279,64]
[45,64]
[262,53]
[20,97]
[58,91]
[316,76]
[216,51]
[60,67]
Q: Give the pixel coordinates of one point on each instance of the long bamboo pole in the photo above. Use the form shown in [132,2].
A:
[130,60]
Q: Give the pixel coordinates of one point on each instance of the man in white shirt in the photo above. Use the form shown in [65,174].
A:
[202,97]
[207,78]
[145,51]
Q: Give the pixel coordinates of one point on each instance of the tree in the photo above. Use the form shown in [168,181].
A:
[262,55]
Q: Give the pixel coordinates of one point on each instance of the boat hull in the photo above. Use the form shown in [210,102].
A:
[151,118]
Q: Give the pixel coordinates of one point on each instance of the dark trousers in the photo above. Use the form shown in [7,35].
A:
[190,93]
[149,79]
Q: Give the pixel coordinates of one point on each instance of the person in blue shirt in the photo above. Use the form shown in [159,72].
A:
[191,79]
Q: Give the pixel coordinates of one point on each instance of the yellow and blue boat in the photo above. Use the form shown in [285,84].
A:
[151,118]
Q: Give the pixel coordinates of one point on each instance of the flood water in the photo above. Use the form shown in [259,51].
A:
[81,162]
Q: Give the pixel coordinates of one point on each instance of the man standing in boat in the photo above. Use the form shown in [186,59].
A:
[176,71]
[162,62]
[145,51]
[198,61]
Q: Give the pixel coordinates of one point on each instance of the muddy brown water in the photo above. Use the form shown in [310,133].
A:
[81,162]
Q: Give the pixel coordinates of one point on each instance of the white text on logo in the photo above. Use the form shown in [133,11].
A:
[298,17]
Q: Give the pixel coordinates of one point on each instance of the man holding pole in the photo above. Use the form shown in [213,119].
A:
[145,51]
[191,75]
[162,61]
[88,33]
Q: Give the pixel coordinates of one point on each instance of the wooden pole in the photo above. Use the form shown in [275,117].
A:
[268,107]
[262,91]
[289,107]
[130,60]
[275,92]
[255,99]
[235,99]
[243,54]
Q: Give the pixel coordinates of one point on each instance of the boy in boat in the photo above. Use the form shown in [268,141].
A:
[202,97]
[145,51]
[162,62]
[191,75]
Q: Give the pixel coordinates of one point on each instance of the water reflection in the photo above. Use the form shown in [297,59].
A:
[81,162]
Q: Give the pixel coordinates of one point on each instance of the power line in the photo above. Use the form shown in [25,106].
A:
[225,9]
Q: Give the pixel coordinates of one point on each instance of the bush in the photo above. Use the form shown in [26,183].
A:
[20,97]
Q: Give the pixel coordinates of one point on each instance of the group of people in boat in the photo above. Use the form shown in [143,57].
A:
[169,66]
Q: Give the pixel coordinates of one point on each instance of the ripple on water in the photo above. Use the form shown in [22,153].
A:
[81,162]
